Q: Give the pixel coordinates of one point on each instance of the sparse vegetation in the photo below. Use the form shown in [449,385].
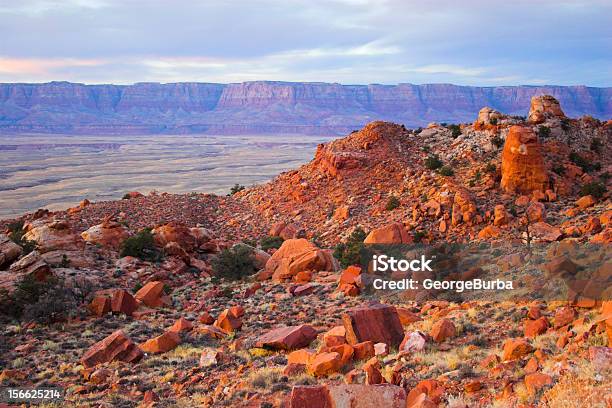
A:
[349,253]
[497,141]
[596,189]
[583,163]
[543,132]
[43,302]
[596,144]
[236,188]
[141,246]
[432,162]
[17,233]
[234,263]
[392,203]
[270,242]
[455,130]
[446,171]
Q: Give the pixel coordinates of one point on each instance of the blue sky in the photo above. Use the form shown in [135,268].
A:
[471,42]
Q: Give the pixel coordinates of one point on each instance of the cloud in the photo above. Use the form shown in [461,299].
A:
[348,41]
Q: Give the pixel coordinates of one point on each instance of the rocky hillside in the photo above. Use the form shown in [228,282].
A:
[265,107]
[259,300]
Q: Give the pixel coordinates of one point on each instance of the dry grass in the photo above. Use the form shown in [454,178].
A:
[576,390]
[265,377]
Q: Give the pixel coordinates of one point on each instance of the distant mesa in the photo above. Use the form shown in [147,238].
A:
[275,107]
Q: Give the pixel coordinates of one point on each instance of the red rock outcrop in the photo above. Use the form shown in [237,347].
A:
[297,255]
[287,338]
[377,323]
[544,107]
[116,347]
[523,168]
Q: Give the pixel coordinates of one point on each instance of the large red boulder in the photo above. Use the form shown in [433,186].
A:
[287,338]
[389,234]
[310,396]
[151,294]
[161,344]
[108,234]
[116,347]
[377,323]
[297,255]
[123,302]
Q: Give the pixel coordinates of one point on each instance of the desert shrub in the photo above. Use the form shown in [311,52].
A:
[16,234]
[141,246]
[596,144]
[271,242]
[493,121]
[237,187]
[596,189]
[418,236]
[432,162]
[349,252]
[583,163]
[43,302]
[455,130]
[543,132]
[234,263]
[446,171]
[126,196]
[250,242]
[565,124]
[559,169]
[497,141]
[392,203]
[490,168]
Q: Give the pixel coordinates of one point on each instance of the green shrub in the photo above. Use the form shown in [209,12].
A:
[234,263]
[497,141]
[581,162]
[595,189]
[446,171]
[271,242]
[491,168]
[392,203]
[543,132]
[418,236]
[493,121]
[559,169]
[141,246]
[349,252]
[432,162]
[596,144]
[237,187]
[43,302]
[455,130]
[16,234]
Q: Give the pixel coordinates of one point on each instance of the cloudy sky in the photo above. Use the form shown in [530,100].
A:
[472,42]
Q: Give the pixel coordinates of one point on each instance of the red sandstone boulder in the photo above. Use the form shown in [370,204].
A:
[181,325]
[228,321]
[390,234]
[108,234]
[116,347]
[325,364]
[442,330]
[297,255]
[123,302]
[161,344]
[377,323]
[50,235]
[175,232]
[100,305]
[515,349]
[523,168]
[536,327]
[151,294]
[287,338]
[310,396]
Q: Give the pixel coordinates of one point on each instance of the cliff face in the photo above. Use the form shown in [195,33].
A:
[266,107]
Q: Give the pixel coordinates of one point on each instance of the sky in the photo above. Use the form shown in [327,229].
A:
[468,42]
